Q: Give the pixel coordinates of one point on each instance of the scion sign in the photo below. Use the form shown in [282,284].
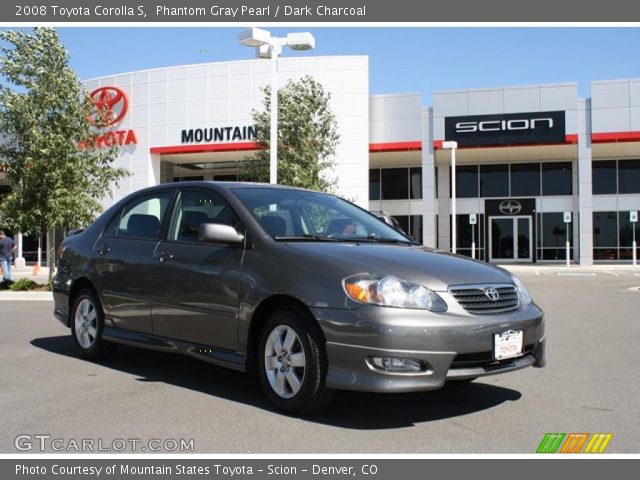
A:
[506,129]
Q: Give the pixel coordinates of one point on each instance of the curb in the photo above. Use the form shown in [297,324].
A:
[26,296]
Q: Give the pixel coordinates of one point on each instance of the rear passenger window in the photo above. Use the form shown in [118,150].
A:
[143,217]
[195,207]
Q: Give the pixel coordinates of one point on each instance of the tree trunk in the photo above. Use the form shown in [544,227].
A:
[51,255]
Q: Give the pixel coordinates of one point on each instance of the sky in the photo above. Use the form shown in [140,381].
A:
[401,60]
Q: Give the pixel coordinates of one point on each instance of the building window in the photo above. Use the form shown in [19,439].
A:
[395,183]
[415,224]
[494,180]
[553,233]
[466,234]
[525,179]
[556,178]
[603,176]
[628,176]
[605,236]
[625,236]
[415,176]
[374,184]
[467,181]
[225,178]
[411,225]
[403,220]
[188,178]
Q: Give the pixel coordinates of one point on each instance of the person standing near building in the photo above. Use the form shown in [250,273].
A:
[7,247]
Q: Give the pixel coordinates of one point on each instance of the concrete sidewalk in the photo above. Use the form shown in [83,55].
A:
[42,276]
[542,268]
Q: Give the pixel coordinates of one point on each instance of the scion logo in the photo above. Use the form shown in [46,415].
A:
[510,207]
[498,125]
[506,129]
[112,105]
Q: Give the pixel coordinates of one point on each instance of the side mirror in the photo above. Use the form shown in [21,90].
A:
[75,231]
[219,233]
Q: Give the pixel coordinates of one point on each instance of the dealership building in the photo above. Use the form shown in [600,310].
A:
[535,164]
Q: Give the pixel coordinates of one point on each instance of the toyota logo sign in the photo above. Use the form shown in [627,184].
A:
[492,294]
[112,105]
[510,207]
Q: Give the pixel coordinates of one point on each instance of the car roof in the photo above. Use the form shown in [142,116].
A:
[223,185]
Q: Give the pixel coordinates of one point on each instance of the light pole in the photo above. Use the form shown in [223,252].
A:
[454,224]
[271,47]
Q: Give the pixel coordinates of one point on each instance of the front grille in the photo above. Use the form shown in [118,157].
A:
[474,299]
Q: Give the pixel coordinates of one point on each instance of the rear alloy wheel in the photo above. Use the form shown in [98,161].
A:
[293,361]
[87,324]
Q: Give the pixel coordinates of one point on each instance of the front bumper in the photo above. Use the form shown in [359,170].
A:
[451,346]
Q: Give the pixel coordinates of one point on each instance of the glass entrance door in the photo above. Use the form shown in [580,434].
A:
[510,239]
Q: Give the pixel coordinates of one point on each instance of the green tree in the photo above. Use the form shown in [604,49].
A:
[307,137]
[45,111]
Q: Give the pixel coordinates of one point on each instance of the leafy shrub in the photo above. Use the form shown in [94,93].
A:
[23,284]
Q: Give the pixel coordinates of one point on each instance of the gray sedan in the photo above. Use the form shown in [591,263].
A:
[308,289]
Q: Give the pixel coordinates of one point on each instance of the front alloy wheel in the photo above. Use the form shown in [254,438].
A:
[284,361]
[293,361]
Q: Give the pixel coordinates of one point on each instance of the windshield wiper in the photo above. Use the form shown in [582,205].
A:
[305,238]
[373,238]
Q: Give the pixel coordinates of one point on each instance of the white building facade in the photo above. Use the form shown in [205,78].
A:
[529,158]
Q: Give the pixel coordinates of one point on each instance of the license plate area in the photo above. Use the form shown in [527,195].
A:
[508,344]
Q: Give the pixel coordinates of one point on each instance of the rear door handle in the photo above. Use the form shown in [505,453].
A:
[103,249]
[165,256]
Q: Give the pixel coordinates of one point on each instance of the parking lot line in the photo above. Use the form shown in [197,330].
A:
[577,274]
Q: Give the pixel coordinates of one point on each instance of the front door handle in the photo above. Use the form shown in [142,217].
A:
[165,256]
[103,249]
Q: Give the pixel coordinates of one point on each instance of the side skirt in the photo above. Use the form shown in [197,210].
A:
[223,358]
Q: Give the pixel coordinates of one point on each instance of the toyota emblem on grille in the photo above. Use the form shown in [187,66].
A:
[492,294]
[510,207]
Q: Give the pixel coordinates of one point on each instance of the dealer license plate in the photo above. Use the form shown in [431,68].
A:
[508,344]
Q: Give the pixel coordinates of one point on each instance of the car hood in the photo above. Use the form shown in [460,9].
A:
[434,269]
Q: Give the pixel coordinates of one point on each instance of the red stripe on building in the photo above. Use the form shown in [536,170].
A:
[613,137]
[395,147]
[210,147]
[246,146]
[569,139]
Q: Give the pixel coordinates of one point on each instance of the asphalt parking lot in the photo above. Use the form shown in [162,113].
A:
[591,384]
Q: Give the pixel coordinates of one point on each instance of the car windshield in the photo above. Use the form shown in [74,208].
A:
[303,215]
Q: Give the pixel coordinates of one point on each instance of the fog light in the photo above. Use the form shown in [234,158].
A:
[394,364]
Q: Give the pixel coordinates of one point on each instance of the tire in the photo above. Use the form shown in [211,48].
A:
[293,378]
[87,325]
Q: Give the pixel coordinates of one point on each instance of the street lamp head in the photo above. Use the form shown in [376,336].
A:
[450,144]
[263,51]
[254,37]
[301,41]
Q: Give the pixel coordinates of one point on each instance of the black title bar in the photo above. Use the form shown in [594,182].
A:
[348,11]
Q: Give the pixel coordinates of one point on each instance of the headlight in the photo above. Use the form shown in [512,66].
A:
[390,291]
[523,293]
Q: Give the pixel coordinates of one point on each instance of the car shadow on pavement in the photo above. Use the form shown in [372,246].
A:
[362,411]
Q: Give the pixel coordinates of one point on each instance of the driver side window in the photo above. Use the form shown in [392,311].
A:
[195,207]
[329,222]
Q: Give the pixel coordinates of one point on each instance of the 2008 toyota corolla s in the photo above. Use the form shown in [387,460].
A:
[310,290]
